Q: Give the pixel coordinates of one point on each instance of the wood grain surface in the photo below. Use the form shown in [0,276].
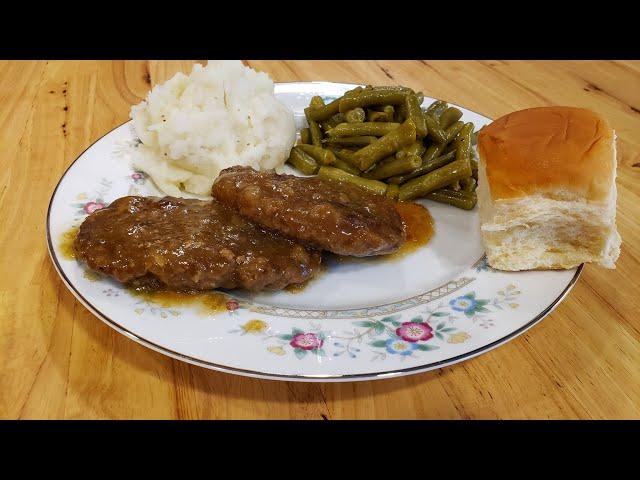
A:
[58,361]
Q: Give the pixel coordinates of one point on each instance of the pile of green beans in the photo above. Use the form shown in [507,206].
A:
[381,139]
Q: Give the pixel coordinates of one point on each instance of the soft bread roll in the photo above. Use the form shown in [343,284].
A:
[547,191]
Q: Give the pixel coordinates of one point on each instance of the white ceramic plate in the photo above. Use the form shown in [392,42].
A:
[360,320]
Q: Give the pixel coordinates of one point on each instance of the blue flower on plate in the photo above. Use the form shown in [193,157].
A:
[397,346]
[483,265]
[466,303]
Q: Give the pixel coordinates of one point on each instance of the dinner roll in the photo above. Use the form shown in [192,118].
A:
[547,191]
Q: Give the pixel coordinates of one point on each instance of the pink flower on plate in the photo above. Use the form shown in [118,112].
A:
[414,332]
[138,177]
[306,341]
[91,207]
[232,305]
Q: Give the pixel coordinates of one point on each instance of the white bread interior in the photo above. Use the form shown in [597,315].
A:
[548,228]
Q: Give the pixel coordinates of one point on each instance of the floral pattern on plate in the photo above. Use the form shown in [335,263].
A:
[389,335]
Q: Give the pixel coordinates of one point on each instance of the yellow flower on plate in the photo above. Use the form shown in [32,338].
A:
[514,305]
[139,311]
[459,337]
[278,350]
[255,326]
[81,196]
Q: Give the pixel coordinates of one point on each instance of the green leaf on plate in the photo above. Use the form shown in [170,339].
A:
[300,353]
[439,335]
[448,329]
[440,325]
[470,295]
[379,328]
[285,337]
[390,318]
[379,343]
[424,347]
[297,331]
[363,323]
[439,314]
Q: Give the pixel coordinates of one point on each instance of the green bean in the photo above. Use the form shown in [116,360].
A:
[435,132]
[438,111]
[420,186]
[345,155]
[451,133]
[319,154]
[366,98]
[393,141]
[432,152]
[316,133]
[336,119]
[455,186]
[356,91]
[453,130]
[394,166]
[375,116]
[464,200]
[302,161]
[474,138]
[356,115]
[392,191]
[323,113]
[352,141]
[462,143]
[347,167]
[468,184]
[314,128]
[414,113]
[416,148]
[305,136]
[381,114]
[362,128]
[450,116]
[437,106]
[316,102]
[474,168]
[373,186]
[426,167]
[377,129]
[389,110]
[420,97]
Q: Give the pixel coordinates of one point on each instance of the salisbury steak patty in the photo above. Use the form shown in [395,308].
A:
[189,245]
[326,214]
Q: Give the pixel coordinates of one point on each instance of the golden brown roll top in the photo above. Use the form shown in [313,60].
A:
[563,152]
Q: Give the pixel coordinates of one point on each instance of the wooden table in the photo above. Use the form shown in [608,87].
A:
[58,361]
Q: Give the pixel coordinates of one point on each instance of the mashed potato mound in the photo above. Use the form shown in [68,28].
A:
[192,127]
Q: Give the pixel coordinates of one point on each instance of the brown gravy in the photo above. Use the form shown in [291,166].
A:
[208,302]
[65,243]
[419,227]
